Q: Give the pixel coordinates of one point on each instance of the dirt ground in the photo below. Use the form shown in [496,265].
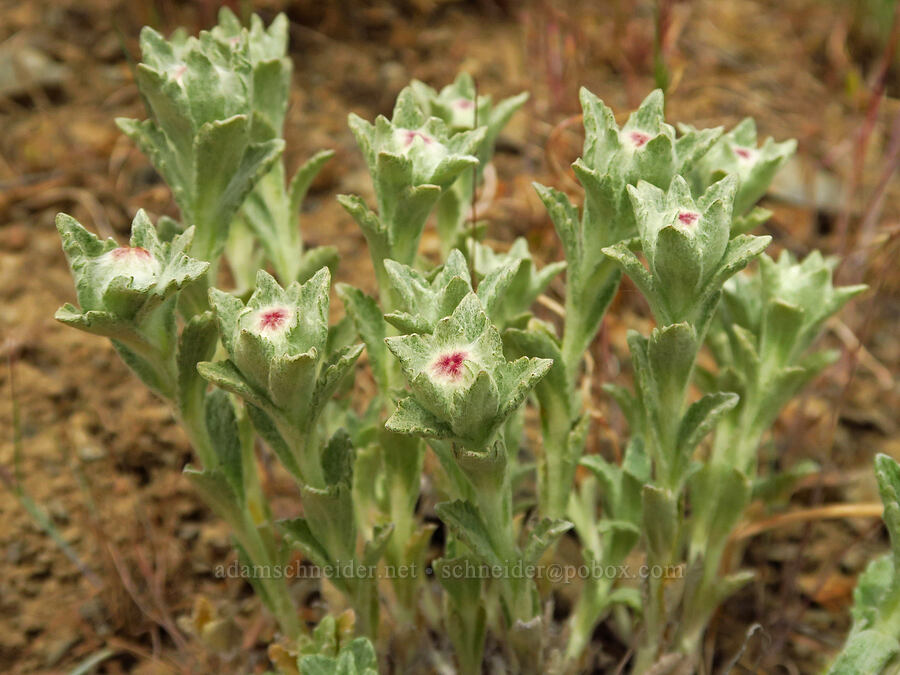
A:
[100,458]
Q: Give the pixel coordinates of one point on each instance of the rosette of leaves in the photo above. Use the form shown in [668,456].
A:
[459,106]
[766,324]
[272,209]
[266,51]
[200,136]
[873,645]
[508,285]
[279,364]
[412,159]
[456,105]
[526,284]
[646,149]
[737,153]
[128,294]
[688,249]
[463,388]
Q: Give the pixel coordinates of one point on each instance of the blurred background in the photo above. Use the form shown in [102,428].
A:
[106,554]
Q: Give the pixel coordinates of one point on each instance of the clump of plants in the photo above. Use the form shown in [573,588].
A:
[457,355]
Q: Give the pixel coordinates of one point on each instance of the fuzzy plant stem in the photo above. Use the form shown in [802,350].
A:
[669,480]
[519,596]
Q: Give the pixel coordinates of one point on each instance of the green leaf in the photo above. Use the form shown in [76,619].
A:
[269,432]
[215,489]
[887,471]
[314,259]
[866,652]
[411,418]
[304,177]
[225,374]
[197,343]
[299,536]
[565,219]
[221,422]
[543,536]
[370,325]
[464,522]
[700,418]
[719,495]
[333,372]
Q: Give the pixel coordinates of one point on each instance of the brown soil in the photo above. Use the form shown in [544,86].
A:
[102,458]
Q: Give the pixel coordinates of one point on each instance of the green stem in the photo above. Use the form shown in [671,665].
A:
[261,547]
[303,447]
[590,609]
[558,460]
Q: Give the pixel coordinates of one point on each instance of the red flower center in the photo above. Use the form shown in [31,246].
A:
[688,217]
[450,365]
[743,153]
[639,138]
[126,252]
[464,104]
[273,319]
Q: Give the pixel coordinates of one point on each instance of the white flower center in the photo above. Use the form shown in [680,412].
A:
[132,261]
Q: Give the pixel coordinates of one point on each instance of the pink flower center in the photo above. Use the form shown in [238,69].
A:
[178,72]
[463,104]
[744,153]
[639,138]
[410,136]
[124,253]
[273,319]
[450,365]
[688,217]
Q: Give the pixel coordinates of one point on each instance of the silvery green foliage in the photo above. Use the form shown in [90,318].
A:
[463,390]
[202,136]
[766,324]
[266,51]
[328,534]
[690,254]
[508,285]
[688,248]
[279,364]
[128,293]
[423,301]
[412,159]
[457,106]
[462,386]
[736,153]
[272,209]
[874,641]
[526,284]
[647,149]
